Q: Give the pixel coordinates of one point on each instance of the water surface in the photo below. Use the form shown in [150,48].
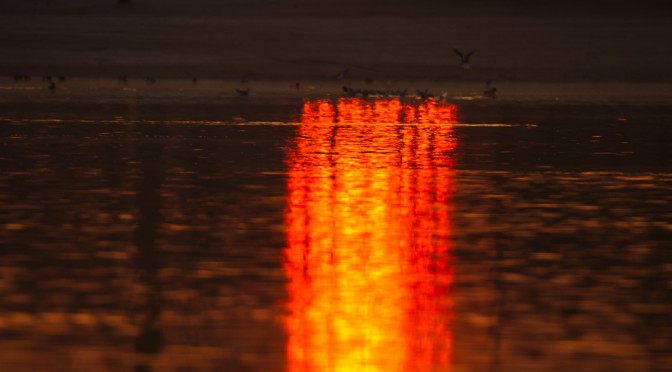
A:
[204,237]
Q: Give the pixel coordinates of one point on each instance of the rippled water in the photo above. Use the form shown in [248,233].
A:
[154,237]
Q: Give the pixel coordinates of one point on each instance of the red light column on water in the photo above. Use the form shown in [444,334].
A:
[368,238]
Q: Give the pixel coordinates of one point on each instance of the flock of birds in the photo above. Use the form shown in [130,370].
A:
[489,92]
[50,80]
[349,92]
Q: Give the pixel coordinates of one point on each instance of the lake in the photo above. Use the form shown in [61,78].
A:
[335,235]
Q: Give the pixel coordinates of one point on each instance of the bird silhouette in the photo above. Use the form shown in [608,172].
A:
[348,92]
[343,74]
[464,58]
[243,93]
[424,94]
[489,90]
[20,77]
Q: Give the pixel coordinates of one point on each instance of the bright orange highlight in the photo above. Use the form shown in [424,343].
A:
[368,232]
[385,111]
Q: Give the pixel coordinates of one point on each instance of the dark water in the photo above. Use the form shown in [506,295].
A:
[176,238]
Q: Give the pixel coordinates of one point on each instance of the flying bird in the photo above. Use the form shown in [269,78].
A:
[343,74]
[464,58]
[243,93]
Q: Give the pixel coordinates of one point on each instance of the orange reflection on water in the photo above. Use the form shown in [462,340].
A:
[318,112]
[368,234]
[389,111]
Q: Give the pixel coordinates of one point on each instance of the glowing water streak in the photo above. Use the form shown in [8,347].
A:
[368,234]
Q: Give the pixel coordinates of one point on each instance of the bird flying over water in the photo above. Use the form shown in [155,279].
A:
[464,58]
[343,74]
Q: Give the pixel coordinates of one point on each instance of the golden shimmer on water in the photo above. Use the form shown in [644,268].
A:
[368,240]
[388,111]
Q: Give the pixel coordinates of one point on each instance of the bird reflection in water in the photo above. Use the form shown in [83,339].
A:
[368,234]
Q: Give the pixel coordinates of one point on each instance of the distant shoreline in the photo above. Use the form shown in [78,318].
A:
[183,90]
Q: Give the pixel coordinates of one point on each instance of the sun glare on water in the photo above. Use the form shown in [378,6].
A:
[381,111]
[368,237]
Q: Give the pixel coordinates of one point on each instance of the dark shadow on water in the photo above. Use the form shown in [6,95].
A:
[151,339]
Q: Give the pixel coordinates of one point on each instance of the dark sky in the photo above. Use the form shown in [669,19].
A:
[519,40]
[345,8]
